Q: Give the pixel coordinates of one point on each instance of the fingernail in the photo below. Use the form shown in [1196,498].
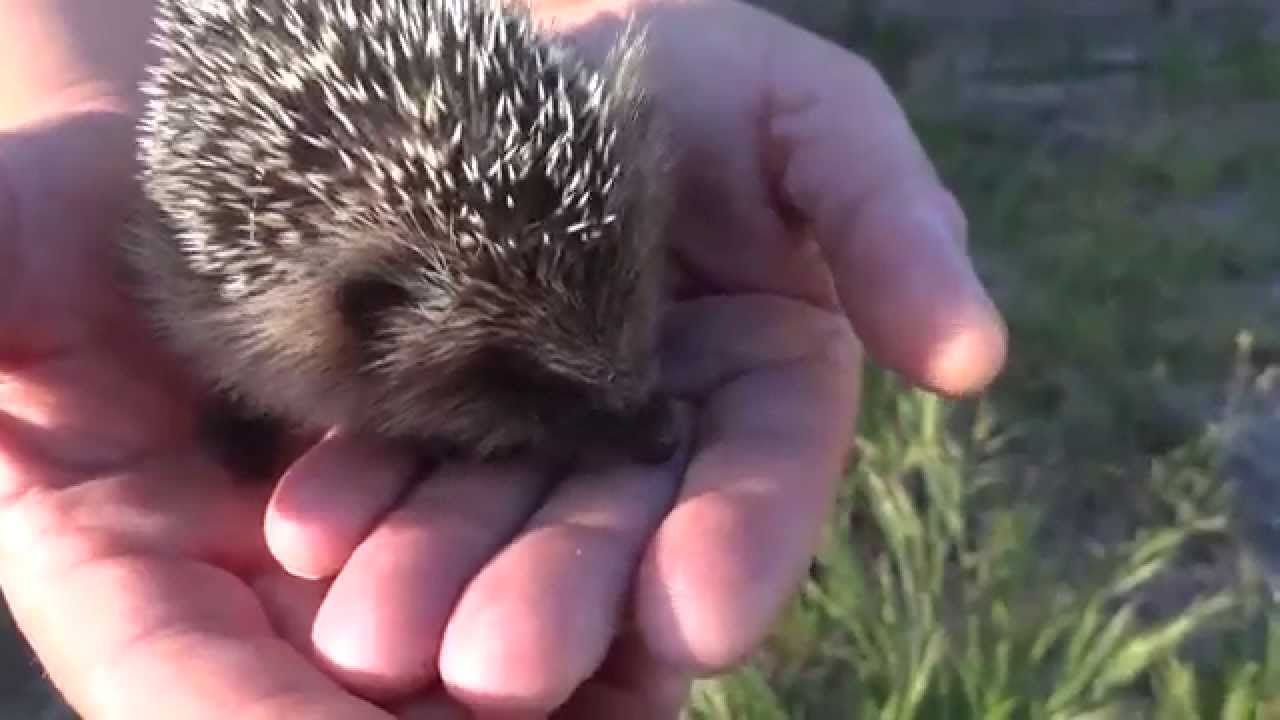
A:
[975,349]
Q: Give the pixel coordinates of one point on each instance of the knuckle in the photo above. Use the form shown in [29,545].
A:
[835,343]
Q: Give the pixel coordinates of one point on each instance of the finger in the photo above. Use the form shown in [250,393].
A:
[67,191]
[380,627]
[437,705]
[630,684]
[155,637]
[538,620]
[9,258]
[330,499]
[772,445]
[844,156]
[291,604]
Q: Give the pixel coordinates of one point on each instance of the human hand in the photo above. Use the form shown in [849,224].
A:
[134,564]
[807,208]
[111,512]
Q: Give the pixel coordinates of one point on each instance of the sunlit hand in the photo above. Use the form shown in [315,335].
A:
[805,204]
[138,569]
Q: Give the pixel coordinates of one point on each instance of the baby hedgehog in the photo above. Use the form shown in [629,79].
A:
[418,219]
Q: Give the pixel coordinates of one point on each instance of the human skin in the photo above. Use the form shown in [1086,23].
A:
[151,584]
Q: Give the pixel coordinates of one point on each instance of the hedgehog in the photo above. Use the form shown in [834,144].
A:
[422,220]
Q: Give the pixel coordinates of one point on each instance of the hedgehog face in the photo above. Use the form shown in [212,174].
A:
[503,357]
[416,217]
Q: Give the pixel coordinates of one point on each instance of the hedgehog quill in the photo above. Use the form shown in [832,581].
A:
[420,219]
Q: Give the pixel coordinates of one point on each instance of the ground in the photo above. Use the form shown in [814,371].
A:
[1093,537]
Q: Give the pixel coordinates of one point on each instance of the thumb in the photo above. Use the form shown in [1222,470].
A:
[9,270]
[65,185]
[846,158]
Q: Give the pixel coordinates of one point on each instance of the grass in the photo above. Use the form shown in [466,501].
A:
[1077,543]
[934,597]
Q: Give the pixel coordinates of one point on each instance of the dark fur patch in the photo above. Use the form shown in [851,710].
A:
[365,300]
[248,445]
[654,441]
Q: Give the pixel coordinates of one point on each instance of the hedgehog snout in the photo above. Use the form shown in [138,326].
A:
[656,438]
[646,434]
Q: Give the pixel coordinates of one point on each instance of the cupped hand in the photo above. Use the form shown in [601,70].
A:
[806,210]
[138,569]
[135,567]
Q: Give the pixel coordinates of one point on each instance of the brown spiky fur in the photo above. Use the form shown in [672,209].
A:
[416,218]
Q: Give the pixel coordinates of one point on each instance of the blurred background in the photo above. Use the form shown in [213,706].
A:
[1095,537]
